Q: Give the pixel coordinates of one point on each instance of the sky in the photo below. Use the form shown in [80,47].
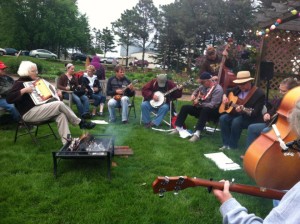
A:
[102,13]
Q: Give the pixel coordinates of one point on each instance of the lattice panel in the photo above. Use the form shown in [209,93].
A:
[283,49]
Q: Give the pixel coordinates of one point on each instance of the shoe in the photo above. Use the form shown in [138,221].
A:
[224,147]
[100,114]
[86,125]
[174,132]
[194,138]
[149,125]
[86,116]
[242,157]
[125,122]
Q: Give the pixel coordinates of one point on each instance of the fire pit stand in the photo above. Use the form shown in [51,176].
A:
[102,146]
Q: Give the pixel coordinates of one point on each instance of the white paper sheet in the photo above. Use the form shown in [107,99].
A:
[99,121]
[222,161]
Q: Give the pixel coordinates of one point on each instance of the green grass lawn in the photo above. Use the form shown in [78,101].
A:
[82,192]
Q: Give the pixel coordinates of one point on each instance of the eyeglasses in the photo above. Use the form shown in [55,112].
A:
[242,84]
[34,71]
[283,90]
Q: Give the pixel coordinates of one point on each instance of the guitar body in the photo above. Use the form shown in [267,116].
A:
[226,107]
[264,160]
[161,100]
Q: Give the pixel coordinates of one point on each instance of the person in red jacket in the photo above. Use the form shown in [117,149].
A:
[153,92]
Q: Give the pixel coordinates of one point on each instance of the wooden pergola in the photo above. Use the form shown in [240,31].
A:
[281,45]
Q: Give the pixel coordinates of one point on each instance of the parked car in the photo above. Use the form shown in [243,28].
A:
[109,60]
[79,57]
[24,53]
[42,53]
[11,51]
[2,51]
[139,63]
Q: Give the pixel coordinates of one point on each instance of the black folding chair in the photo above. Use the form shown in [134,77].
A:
[32,128]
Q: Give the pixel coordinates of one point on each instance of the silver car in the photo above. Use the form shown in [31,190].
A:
[2,51]
[42,53]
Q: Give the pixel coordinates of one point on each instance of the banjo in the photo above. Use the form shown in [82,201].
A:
[162,96]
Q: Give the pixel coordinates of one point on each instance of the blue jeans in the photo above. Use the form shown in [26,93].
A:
[81,102]
[98,98]
[123,103]
[11,109]
[254,130]
[160,112]
[232,127]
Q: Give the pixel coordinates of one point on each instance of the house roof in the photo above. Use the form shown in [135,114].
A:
[268,17]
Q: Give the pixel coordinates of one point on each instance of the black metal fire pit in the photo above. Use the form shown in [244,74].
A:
[89,147]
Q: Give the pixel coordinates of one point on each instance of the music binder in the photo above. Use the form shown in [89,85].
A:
[43,91]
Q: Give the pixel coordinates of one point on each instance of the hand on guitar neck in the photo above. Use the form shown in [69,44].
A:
[120,92]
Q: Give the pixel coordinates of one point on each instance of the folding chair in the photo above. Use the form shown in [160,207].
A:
[171,113]
[33,133]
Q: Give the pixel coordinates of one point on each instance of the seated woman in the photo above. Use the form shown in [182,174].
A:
[92,84]
[20,96]
[68,82]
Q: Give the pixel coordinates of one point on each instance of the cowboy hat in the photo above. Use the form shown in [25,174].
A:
[242,77]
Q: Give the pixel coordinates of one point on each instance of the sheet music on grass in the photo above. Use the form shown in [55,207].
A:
[222,161]
[43,91]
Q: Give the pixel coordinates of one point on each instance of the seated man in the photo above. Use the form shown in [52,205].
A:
[20,96]
[245,111]
[6,83]
[68,82]
[120,89]
[270,117]
[207,99]
[151,91]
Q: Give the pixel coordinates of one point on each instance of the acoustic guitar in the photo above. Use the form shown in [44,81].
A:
[228,107]
[164,184]
[118,96]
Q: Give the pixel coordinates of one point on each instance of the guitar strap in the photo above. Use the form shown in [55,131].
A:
[250,94]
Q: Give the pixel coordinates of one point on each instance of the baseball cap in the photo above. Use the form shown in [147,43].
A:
[2,65]
[161,80]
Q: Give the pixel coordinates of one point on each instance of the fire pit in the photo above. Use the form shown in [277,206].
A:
[86,147]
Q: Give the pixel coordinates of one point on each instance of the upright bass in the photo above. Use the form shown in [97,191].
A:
[225,76]
[264,160]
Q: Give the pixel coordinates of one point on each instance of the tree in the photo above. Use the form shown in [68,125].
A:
[52,24]
[144,24]
[124,29]
[107,41]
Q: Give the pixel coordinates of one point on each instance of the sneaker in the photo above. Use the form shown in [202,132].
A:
[194,138]
[149,125]
[174,132]
[100,114]
[124,122]
[86,125]
[224,147]
[86,116]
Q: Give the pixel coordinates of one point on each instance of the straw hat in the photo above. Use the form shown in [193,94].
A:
[242,77]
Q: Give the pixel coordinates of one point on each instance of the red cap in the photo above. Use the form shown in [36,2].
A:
[2,65]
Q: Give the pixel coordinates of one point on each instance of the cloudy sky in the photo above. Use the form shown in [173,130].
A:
[102,13]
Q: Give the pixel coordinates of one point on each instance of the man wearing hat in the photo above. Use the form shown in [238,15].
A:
[207,99]
[247,110]
[154,90]
[6,84]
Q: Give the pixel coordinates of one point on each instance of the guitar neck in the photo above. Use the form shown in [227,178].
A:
[162,184]
[245,109]
[170,91]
